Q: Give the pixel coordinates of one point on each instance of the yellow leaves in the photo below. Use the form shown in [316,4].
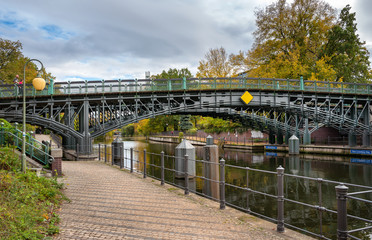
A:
[45,216]
[323,71]
[142,126]
[215,64]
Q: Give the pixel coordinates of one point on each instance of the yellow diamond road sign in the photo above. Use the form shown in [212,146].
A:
[246,97]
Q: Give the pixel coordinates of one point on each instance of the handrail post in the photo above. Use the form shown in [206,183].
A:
[131,160]
[320,180]
[184,83]
[121,157]
[169,85]
[302,83]
[99,152]
[280,197]
[222,184]
[77,151]
[112,154]
[69,87]
[341,194]
[16,133]
[31,145]
[162,167]
[144,163]
[105,153]
[86,86]
[185,168]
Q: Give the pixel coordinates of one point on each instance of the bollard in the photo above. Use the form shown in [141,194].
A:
[121,157]
[185,167]
[105,153]
[144,163]
[131,160]
[248,189]
[341,194]
[280,224]
[162,168]
[112,155]
[99,152]
[222,184]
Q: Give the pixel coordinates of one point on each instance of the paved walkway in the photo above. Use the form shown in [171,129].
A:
[107,203]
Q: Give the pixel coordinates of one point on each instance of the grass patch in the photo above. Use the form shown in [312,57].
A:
[172,189]
[29,204]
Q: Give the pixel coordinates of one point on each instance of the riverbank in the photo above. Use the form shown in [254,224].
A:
[362,152]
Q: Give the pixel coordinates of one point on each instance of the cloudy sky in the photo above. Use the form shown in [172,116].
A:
[111,39]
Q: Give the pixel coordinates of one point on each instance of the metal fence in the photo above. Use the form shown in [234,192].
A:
[263,193]
[34,149]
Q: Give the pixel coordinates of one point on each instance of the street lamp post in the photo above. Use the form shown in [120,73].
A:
[39,84]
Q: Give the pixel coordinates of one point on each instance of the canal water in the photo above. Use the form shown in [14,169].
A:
[340,169]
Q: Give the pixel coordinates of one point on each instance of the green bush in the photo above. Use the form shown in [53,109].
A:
[180,136]
[28,203]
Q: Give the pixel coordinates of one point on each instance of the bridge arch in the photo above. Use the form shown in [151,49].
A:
[82,111]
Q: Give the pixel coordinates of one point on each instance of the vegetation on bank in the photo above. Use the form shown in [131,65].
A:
[29,204]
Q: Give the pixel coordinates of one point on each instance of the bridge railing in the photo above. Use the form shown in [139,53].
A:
[319,207]
[34,149]
[146,85]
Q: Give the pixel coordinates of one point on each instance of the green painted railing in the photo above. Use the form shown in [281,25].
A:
[34,149]
[155,85]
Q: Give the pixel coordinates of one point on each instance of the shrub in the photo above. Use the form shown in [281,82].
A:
[180,136]
[28,203]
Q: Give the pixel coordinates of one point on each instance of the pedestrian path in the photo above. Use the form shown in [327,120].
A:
[107,203]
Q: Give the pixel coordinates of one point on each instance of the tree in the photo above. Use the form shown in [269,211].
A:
[348,55]
[12,63]
[289,37]
[185,123]
[10,52]
[171,119]
[127,130]
[173,73]
[215,64]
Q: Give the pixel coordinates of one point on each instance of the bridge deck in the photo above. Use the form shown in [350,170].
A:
[110,204]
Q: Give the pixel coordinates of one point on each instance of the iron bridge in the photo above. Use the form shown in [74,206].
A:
[81,111]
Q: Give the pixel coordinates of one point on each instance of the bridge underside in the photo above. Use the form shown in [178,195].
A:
[79,118]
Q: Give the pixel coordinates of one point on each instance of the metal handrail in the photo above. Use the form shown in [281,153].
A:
[40,153]
[151,85]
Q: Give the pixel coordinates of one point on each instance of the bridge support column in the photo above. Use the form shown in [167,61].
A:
[287,136]
[307,135]
[366,138]
[69,142]
[279,137]
[271,137]
[352,138]
[366,120]
[85,143]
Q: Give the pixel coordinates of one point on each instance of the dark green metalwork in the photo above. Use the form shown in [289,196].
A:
[34,149]
[81,111]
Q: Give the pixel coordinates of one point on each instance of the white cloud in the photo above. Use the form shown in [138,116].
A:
[117,39]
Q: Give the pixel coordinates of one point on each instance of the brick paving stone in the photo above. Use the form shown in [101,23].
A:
[107,203]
